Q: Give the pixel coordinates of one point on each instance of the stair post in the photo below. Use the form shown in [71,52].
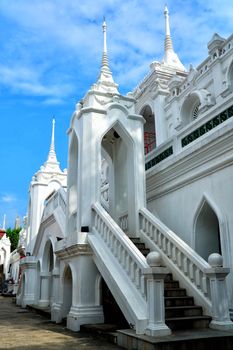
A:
[155,276]
[220,306]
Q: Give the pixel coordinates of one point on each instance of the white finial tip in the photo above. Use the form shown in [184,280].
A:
[104,25]
[166,10]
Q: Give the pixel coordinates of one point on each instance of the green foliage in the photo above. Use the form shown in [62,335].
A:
[13,235]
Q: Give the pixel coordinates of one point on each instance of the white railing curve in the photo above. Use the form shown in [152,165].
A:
[177,254]
[206,280]
[128,256]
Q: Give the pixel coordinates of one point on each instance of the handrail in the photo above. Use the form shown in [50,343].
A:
[177,254]
[128,256]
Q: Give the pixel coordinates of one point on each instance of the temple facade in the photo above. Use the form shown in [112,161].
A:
[5,250]
[146,202]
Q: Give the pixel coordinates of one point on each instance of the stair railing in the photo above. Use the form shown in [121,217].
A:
[207,280]
[177,254]
[128,256]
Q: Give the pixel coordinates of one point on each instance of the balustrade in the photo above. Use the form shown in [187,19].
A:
[206,281]
[123,220]
[178,253]
[121,247]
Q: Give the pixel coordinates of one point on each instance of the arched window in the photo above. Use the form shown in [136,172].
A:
[207,232]
[149,129]
[194,104]
[190,109]
[196,110]
[230,76]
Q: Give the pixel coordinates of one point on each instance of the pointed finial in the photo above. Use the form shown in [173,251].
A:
[168,40]
[170,57]
[105,53]
[52,155]
[52,147]
[105,81]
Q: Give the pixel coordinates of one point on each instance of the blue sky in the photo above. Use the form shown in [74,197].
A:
[50,54]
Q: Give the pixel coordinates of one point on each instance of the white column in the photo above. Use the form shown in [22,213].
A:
[220,305]
[85,308]
[155,276]
[27,296]
[44,289]
[56,307]
[55,285]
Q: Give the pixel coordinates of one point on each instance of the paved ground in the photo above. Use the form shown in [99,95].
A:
[25,330]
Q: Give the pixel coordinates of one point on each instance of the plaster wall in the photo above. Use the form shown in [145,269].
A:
[179,209]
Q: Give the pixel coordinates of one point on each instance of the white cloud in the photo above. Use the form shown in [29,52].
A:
[27,81]
[53,101]
[8,198]
[61,41]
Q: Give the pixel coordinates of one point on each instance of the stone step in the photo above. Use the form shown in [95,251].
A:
[189,322]
[194,339]
[135,240]
[183,311]
[175,292]
[171,284]
[168,277]
[180,311]
[179,301]
[140,245]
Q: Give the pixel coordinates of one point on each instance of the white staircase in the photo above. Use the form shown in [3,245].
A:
[121,264]
[123,268]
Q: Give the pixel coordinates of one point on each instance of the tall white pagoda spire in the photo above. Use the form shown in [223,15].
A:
[52,154]
[170,57]
[105,81]
[52,162]
[105,51]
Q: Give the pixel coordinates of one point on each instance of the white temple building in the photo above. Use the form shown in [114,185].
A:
[146,202]
[5,251]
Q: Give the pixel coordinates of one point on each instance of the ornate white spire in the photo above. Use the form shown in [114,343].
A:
[105,52]
[52,154]
[52,163]
[105,81]
[50,170]
[170,57]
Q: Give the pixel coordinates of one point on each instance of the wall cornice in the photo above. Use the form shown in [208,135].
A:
[73,250]
[207,156]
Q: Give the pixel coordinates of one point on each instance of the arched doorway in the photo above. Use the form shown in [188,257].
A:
[46,284]
[118,149]
[207,232]
[67,292]
[149,129]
